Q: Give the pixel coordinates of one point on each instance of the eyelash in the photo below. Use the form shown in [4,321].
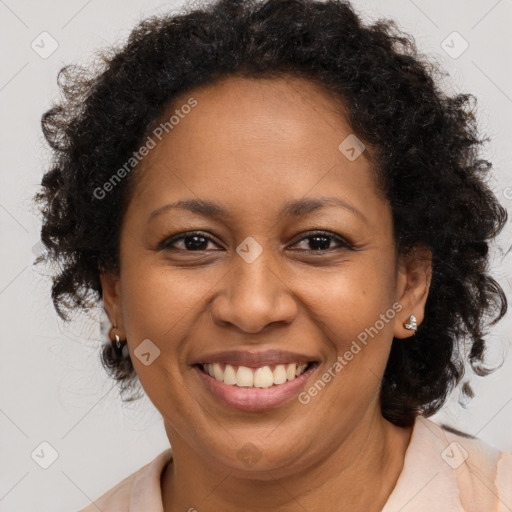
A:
[167,242]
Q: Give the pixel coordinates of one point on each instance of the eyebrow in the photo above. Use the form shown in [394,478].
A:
[295,208]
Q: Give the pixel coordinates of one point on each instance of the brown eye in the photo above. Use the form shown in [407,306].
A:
[321,241]
[194,241]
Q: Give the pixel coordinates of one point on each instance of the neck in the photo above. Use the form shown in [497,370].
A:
[359,474]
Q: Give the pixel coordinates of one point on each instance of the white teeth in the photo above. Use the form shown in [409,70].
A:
[262,377]
[300,369]
[290,371]
[217,371]
[230,375]
[244,377]
[280,374]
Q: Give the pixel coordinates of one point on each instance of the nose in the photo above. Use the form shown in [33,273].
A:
[252,296]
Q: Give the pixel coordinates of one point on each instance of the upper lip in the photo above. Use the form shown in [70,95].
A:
[252,358]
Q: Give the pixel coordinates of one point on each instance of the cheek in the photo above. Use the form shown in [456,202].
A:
[352,306]
[159,301]
[351,297]
[161,304]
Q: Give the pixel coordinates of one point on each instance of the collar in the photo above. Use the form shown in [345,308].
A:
[146,492]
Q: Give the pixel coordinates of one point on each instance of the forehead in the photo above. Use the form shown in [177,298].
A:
[254,142]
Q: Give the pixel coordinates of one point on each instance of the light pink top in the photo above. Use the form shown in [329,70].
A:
[442,472]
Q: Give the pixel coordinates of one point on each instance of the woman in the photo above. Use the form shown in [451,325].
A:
[251,191]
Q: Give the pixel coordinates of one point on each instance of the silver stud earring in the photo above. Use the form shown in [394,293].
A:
[411,325]
[117,345]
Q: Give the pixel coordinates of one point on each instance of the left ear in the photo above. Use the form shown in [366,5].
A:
[413,284]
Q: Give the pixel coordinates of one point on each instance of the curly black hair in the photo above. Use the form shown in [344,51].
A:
[424,145]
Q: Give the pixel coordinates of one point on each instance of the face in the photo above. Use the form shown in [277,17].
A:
[296,264]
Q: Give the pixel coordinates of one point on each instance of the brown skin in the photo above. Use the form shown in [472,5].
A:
[252,145]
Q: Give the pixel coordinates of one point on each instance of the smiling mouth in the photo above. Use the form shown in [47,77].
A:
[258,377]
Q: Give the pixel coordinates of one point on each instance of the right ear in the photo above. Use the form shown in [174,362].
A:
[112,300]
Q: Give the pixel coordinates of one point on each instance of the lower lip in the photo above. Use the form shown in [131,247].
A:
[255,399]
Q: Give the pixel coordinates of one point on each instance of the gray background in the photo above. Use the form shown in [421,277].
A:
[52,387]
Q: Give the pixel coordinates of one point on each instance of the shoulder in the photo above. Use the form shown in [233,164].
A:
[483,473]
[448,470]
[141,487]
